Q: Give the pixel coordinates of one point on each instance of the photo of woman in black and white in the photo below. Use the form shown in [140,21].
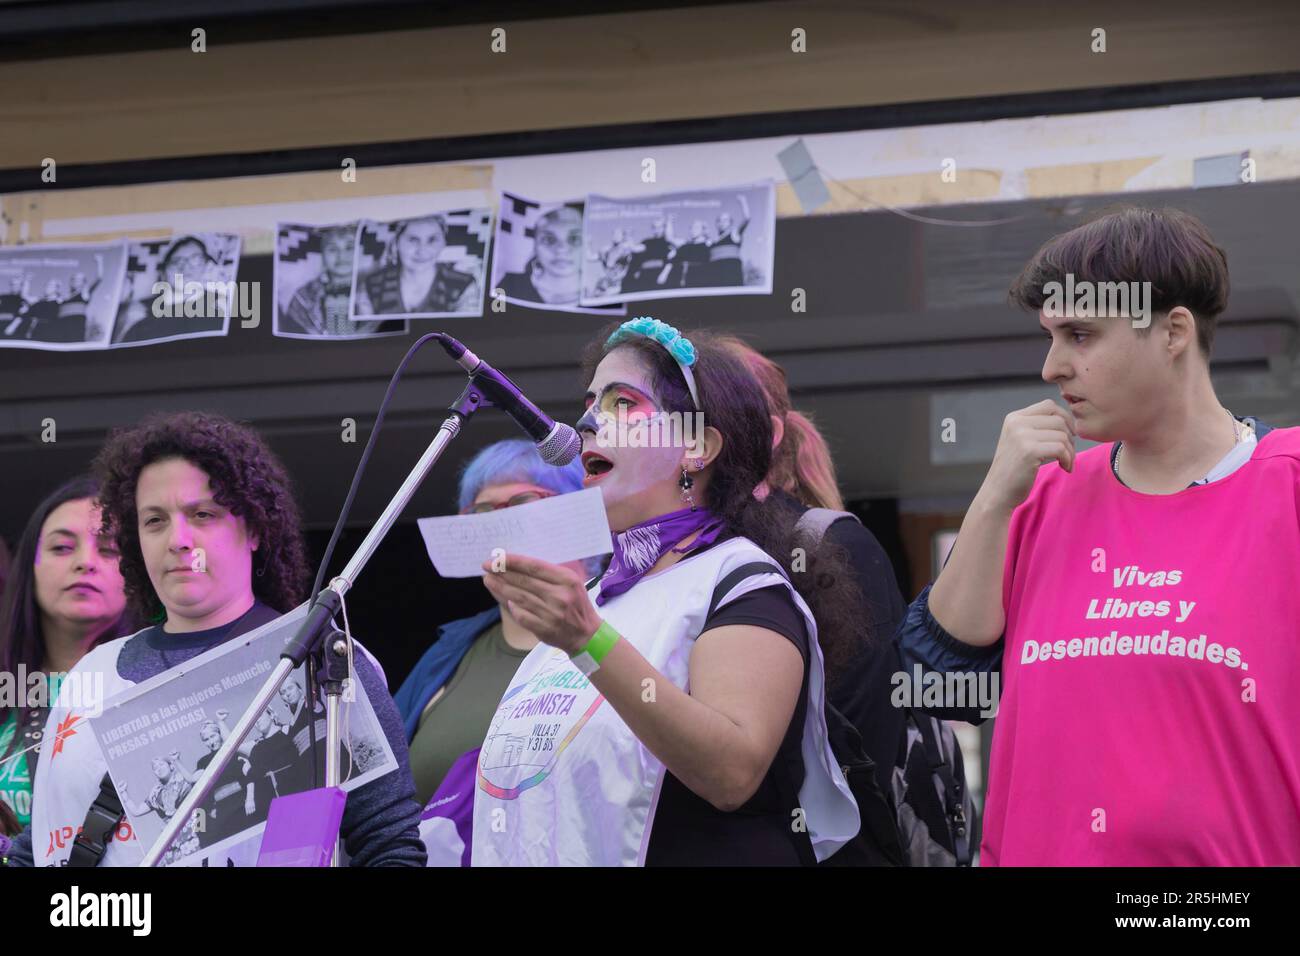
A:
[614,258]
[73,324]
[185,267]
[725,266]
[43,314]
[270,761]
[165,799]
[166,796]
[196,269]
[225,813]
[313,285]
[690,259]
[648,266]
[300,730]
[553,272]
[539,256]
[412,278]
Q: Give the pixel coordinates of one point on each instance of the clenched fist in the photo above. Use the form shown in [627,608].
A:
[1031,437]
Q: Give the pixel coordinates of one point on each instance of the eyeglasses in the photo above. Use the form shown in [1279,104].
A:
[522,498]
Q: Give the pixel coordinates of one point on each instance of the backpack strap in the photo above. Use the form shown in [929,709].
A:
[875,810]
[785,788]
[815,521]
[738,575]
[102,820]
[953,801]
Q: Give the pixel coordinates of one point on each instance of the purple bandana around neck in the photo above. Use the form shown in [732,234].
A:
[638,548]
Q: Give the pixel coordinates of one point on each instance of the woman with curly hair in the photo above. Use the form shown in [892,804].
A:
[211,549]
[674,713]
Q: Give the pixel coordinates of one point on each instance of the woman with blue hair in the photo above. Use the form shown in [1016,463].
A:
[451,695]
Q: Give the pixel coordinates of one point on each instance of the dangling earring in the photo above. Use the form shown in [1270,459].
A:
[262,570]
[686,483]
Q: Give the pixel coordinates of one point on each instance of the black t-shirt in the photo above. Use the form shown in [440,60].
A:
[231,776]
[269,761]
[687,829]
[862,689]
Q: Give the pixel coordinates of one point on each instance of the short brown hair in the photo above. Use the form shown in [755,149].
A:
[1166,247]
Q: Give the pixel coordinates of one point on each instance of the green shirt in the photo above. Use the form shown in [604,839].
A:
[458,718]
[15,777]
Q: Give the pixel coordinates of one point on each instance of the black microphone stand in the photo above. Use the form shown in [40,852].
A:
[310,639]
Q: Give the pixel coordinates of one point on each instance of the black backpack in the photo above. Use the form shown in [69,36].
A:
[878,841]
[934,812]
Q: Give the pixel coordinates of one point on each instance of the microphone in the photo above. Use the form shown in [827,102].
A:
[557,443]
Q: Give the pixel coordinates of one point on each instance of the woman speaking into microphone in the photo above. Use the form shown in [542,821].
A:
[673,713]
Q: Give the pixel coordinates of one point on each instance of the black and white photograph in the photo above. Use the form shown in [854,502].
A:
[427,267]
[159,737]
[313,273]
[699,242]
[537,260]
[180,288]
[59,298]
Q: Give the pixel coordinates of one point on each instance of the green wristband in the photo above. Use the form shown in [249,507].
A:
[593,652]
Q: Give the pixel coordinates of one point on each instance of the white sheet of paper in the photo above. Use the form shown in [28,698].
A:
[556,529]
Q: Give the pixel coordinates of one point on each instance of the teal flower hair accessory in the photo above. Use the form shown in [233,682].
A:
[678,345]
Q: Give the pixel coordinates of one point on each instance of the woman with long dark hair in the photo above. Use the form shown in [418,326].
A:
[802,478]
[674,713]
[412,280]
[64,595]
[553,272]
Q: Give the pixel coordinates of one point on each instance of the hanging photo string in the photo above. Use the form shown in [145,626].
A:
[927,220]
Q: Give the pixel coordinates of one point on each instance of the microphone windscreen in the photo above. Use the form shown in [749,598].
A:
[561,446]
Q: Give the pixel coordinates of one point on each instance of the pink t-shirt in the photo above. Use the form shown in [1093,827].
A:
[1150,712]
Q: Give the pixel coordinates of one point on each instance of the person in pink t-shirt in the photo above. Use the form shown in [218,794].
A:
[1139,598]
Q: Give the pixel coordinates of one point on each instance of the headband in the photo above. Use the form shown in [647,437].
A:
[678,345]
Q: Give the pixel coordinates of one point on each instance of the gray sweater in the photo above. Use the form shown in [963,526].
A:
[381,818]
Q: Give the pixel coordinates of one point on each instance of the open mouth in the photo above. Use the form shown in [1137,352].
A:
[595,466]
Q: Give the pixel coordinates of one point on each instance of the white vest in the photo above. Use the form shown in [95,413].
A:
[67,782]
[562,780]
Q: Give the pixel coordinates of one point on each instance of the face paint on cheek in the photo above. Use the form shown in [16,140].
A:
[638,470]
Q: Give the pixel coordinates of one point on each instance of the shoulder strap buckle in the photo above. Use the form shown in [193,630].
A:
[102,820]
